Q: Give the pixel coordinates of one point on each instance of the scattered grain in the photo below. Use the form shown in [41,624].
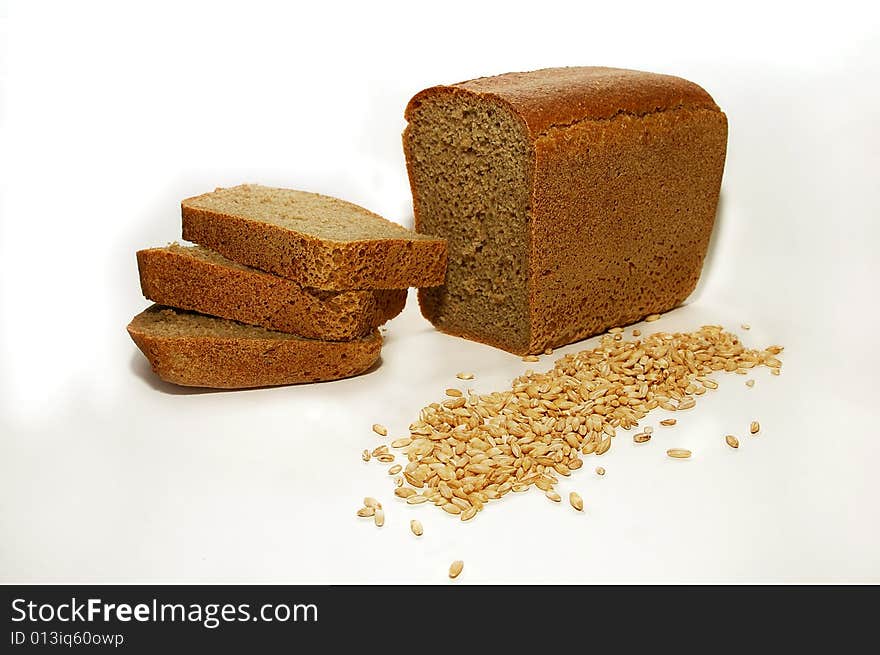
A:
[750,383]
[754,427]
[576,501]
[548,350]
[456,568]
[600,470]
[531,358]
[465,376]
[365,512]
[732,441]
[637,333]
[379,429]
[651,318]
[365,455]
[394,470]
[465,453]
[552,495]
[453,393]
[372,502]
[379,518]
[416,527]
[678,453]
[641,437]
[746,326]
[401,443]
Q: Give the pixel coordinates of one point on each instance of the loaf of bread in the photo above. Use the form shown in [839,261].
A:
[572,199]
[203,351]
[201,280]
[315,240]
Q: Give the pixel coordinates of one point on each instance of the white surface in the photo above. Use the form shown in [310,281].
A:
[110,116]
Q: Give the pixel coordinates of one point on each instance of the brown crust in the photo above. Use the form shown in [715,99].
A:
[223,362]
[633,244]
[178,277]
[559,97]
[383,263]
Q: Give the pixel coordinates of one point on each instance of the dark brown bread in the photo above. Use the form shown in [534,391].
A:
[201,280]
[315,240]
[203,351]
[572,199]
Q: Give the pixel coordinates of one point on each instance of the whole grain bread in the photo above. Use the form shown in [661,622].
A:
[315,240]
[203,351]
[572,199]
[198,279]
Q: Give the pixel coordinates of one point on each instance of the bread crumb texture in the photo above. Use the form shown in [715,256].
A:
[198,279]
[192,349]
[315,240]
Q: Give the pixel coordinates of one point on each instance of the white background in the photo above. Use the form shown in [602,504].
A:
[112,113]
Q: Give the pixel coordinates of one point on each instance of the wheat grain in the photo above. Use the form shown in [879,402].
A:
[456,568]
[470,448]
[379,429]
[379,518]
[576,501]
[465,376]
[732,441]
[416,527]
[651,318]
[678,453]
[754,427]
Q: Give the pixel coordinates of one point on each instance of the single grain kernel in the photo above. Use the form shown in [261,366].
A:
[416,527]
[379,429]
[531,358]
[552,495]
[394,470]
[372,502]
[600,470]
[651,318]
[453,393]
[576,501]
[465,376]
[746,326]
[668,421]
[456,568]
[365,512]
[754,427]
[365,455]
[637,333]
[401,443]
[379,518]
[732,441]
[678,453]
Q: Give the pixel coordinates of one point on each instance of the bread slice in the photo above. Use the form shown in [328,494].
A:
[572,199]
[198,279]
[195,350]
[316,240]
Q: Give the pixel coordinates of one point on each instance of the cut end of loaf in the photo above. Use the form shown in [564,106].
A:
[467,160]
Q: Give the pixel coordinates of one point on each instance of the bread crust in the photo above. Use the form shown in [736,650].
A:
[625,174]
[179,277]
[381,263]
[225,362]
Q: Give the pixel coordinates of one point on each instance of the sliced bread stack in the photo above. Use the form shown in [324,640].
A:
[284,287]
